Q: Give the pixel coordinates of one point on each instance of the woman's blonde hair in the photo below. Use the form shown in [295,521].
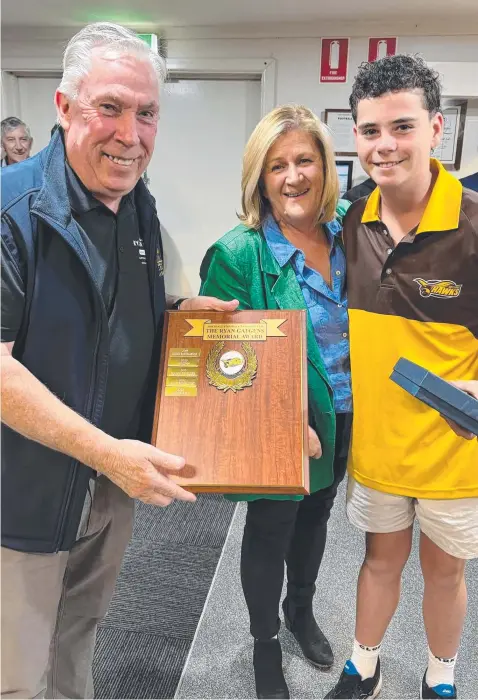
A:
[278,122]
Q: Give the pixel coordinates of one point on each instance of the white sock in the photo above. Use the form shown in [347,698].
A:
[365,658]
[440,671]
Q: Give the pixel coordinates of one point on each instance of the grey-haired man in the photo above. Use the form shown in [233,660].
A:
[82,304]
[16,141]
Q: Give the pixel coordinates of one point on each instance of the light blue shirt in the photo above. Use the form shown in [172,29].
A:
[327,307]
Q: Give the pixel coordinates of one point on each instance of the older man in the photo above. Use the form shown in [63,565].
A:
[81,331]
[16,141]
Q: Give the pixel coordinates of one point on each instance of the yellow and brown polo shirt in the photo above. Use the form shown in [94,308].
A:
[417,300]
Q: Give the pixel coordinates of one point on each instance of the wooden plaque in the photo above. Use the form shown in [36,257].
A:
[232,400]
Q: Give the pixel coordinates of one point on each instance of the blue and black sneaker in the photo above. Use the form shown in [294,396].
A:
[350,684]
[438,691]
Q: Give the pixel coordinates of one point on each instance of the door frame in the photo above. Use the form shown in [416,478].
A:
[242,68]
[263,69]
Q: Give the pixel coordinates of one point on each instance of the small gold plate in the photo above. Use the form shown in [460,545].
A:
[179,372]
[182,381]
[183,362]
[185,352]
[181,391]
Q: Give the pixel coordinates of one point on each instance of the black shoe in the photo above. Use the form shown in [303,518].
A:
[270,681]
[311,639]
[439,691]
[350,684]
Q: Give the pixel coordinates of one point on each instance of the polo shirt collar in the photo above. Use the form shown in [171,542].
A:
[443,208]
[81,199]
[442,212]
[372,207]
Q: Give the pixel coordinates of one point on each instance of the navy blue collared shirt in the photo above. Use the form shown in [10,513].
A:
[327,307]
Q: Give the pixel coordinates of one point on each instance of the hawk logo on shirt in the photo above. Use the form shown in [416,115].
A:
[442,289]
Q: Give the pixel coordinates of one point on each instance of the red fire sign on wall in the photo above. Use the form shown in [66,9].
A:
[334,60]
[381,47]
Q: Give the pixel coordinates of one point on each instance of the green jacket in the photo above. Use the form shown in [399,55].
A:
[241,266]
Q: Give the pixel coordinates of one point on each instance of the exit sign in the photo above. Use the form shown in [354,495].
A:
[151,40]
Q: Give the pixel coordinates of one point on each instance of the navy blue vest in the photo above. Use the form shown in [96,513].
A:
[63,341]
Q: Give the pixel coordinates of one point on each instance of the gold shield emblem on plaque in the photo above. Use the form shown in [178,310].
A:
[231,369]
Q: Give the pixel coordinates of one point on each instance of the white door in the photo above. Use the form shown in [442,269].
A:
[37,108]
[195,172]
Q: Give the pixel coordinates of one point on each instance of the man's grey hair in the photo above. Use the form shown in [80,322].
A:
[12,123]
[77,56]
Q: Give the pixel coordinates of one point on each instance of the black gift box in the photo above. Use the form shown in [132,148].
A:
[451,402]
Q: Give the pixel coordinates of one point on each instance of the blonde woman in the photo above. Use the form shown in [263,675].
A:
[287,253]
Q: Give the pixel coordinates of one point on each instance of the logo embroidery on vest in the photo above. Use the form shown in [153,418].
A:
[442,289]
[159,263]
[141,251]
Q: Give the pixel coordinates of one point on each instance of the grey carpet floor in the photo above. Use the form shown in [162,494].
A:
[220,660]
[167,572]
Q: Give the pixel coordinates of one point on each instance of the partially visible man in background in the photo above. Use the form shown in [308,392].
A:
[16,141]
[470,181]
[361,190]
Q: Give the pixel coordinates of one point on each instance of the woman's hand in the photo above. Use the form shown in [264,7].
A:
[315,448]
[208,304]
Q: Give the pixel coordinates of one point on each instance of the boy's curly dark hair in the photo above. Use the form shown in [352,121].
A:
[394,74]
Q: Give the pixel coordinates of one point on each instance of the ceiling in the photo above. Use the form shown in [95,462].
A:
[183,13]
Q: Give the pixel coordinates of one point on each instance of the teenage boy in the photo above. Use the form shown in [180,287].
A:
[412,255]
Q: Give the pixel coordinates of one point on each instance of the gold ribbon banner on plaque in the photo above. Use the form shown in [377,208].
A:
[201,327]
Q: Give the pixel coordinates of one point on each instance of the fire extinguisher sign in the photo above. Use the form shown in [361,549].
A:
[334,60]
[381,47]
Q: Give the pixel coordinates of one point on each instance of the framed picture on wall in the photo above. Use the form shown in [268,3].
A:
[344,171]
[450,149]
[341,123]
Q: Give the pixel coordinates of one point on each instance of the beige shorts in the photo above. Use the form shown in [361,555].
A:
[451,524]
